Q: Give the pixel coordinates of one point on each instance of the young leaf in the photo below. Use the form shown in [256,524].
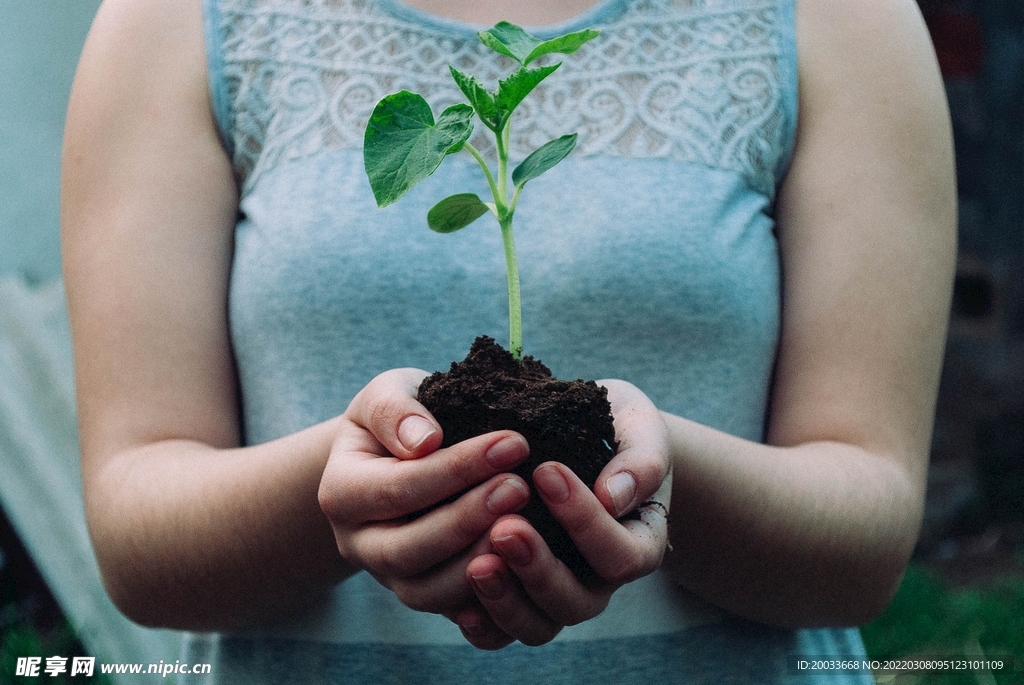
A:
[543,158]
[512,41]
[402,145]
[455,212]
[482,101]
[518,85]
[563,45]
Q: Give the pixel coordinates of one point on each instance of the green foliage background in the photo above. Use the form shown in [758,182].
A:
[929,617]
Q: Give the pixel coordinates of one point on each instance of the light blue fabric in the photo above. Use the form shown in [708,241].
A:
[731,653]
[647,255]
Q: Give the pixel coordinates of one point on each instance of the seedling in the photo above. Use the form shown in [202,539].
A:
[405,144]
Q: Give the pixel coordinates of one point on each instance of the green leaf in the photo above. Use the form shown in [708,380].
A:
[543,158]
[402,145]
[563,45]
[482,101]
[455,212]
[512,41]
[518,85]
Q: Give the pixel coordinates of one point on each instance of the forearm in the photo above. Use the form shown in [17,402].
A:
[816,534]
[198,538]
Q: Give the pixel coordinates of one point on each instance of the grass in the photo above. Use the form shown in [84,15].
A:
[929,617]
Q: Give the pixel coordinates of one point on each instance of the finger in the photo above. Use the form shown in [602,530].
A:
[406,548]
[442,589]
[619,551]
[640,468]
[367,488]
[549,584]
[480,630]
[507,604]
[388,409]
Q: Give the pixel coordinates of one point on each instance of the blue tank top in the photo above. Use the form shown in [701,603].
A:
[648,255]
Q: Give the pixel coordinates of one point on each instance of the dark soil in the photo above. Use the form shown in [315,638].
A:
[565,421]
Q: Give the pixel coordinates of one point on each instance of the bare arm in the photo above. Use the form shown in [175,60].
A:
[191,530]
[817,527]
[148,211]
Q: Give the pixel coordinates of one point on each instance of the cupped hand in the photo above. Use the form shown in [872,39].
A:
[411,514]
[525,592]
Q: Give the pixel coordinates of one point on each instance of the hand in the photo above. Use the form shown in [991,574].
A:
[525,592]
[385,468]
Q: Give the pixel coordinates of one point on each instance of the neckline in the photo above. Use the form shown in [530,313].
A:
[598,14]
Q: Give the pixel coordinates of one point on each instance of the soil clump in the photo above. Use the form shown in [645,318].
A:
[565,421]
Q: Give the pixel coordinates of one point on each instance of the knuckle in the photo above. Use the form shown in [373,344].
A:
[332,503]
[383,413]
[461,468]
[392,497]
[541,637]
[544,584]
[362,399]
[577,615]
[420,594]
[626,569]
[411,596]
[586,522]
[653,476]
[348,551]
[465,530]
[389,561]
[350,547]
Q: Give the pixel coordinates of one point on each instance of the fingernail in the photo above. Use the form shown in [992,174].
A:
[551,483]
[470,622]
[514,550]
[490,585]
[622,488]
[413,431]
[508,496]
[507,452]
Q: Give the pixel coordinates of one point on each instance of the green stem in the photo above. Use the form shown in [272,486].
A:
[502,167]
[515,308]
[515,199]
[487,171]
[505,213]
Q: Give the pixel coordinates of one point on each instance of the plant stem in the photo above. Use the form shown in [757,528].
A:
[499,140]
[515,309]
[487,171]
[505,214]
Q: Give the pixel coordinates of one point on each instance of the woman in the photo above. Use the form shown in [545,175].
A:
[774,293]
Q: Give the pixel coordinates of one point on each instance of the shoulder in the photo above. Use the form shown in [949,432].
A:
[865,20]
[878,46]
[142,48]
[141,83]
[154,20]
[870,93]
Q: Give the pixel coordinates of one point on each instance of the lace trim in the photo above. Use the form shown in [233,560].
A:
[693,80]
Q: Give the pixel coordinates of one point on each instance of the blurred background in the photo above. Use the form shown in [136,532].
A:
[964,593]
